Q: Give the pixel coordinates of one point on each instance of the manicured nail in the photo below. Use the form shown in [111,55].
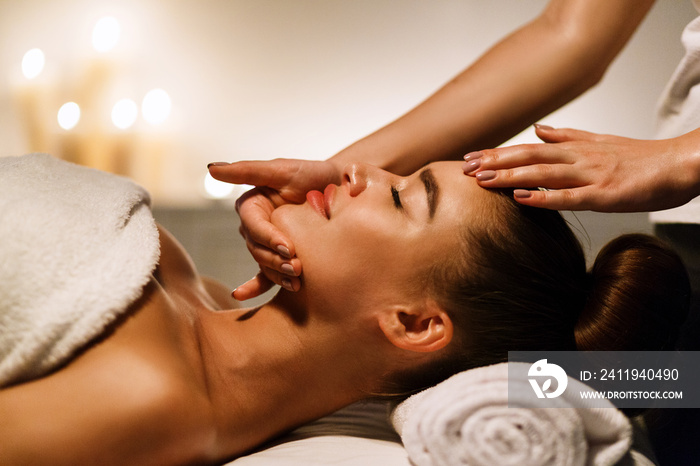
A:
[472,165]
[217,164]
[486,175]
[288,269]
[284,252]
[287,284]
[544,127]
[521,193]
[472,156]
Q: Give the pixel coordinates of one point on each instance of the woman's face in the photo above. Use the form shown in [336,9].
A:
[374,238]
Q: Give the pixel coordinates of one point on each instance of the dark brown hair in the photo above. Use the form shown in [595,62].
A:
[639,297]
[520,283]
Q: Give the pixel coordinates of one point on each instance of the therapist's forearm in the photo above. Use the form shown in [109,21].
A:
[686,149]
[535,70]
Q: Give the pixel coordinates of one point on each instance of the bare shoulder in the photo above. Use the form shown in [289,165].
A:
[114,408]
[137,396]
[132,398]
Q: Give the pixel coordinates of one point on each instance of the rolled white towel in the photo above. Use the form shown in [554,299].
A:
[466,420]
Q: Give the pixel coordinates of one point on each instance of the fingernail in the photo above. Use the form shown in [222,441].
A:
[469,167]
[544,127]
[472,156]
[284,252]
[287,284]
[521,193]
[217,164]
[486,175]
[288,269]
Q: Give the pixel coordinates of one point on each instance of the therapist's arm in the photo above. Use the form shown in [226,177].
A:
[532,72]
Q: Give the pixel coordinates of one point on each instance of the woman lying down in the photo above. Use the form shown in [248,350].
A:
[406,281]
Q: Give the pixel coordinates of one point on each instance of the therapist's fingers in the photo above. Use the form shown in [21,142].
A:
[527,166]
[553,135]
[289,178]
[530,154]
[550,176]
[562,199]
[255,209]
[589,197]
[289,267]
[272,173]
[515,156]
[262,282]
[285,281]
[253,288]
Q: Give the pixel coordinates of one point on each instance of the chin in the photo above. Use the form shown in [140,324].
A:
[296,221]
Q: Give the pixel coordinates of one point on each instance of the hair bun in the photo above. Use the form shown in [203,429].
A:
[638,298]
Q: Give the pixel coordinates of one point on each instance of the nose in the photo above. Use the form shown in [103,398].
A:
[355,178]
[360,176]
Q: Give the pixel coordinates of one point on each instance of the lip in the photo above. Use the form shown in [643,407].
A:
[328,196]
[321,201]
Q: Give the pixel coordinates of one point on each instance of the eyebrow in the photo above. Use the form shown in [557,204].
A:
[432,191]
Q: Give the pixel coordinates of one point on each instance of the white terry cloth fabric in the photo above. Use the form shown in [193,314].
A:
[679,113]
[76,248]
[466,420]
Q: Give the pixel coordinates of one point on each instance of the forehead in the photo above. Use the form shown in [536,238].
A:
[460,193]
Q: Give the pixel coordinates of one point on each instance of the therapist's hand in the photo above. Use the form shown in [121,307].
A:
[277,182]
[587,171]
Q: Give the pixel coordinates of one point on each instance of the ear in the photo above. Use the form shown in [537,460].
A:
[421,328]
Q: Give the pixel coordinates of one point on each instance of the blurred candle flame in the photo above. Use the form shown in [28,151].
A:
[216,189]
[156,106]
[33,63]
[68,115]
[106,34]
[124,113]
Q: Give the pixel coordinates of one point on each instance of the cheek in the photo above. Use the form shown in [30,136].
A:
[348,259]
[299,223]
[353,258]
[320,245]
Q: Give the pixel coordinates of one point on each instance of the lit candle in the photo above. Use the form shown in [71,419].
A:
[156,106]
[70,143]
[68,115]
[32,96]
[124,115]
[33,63]
[106,34]
[105,37]
[98,150]
[215,189]
[148,165]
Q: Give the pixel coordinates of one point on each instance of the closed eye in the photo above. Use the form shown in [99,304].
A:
[397,199]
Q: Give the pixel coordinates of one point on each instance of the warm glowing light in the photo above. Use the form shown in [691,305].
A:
[124,113]
[217,189]
[68,115]
[33,63]
[105,35]
[156,106]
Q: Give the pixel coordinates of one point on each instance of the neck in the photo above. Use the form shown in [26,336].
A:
[272,368]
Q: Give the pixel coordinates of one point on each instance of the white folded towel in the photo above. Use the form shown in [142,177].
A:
[76,248]
[466,420]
